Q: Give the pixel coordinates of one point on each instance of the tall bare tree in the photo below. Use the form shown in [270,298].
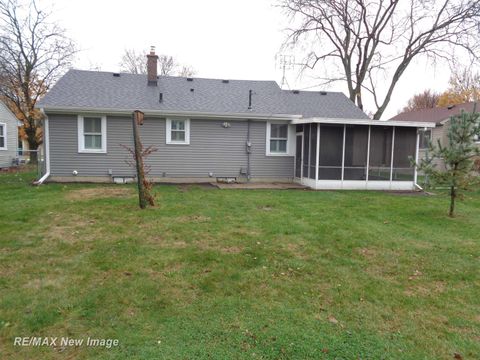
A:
[368,44]
[427,99]
[135,62]
[34,52]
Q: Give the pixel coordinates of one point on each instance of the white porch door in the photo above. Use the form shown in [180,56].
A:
[299,156]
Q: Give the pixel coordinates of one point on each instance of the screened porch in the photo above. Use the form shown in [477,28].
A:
[356,155]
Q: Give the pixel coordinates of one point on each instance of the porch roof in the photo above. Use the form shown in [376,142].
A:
[321,120]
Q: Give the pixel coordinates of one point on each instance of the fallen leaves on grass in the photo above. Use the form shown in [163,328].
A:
[415,274]
[333,320]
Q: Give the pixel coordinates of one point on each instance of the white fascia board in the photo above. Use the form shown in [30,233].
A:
[417,124]
[162,113]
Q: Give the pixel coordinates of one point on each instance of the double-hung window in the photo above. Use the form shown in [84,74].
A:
[277,139]
[92,134]
[178,131]
[425,138]
[3,136]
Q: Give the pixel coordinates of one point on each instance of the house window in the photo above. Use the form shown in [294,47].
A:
[277,135]
[92,134]
[425,138]
[3,136]
[178,131]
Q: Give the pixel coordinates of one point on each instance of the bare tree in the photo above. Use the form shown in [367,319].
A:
[369,44]
[135,62]
[167,65]
[186,71]
[139,154]
[34,52]
[427,99]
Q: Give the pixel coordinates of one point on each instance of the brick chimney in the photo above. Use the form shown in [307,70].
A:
[152,60]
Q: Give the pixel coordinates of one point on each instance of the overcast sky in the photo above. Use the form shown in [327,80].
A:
[232,39]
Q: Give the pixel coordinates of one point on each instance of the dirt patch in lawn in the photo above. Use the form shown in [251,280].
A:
[367,253]
[193,218]
[99,193]
[206,246]
[39,283]
[428,289]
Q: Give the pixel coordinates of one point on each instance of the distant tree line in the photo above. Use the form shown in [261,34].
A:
[464,86]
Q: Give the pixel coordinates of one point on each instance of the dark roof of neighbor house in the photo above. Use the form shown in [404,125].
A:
[435,115]
[106,90]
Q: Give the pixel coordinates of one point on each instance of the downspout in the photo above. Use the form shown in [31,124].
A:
[248,149]
[248,144]
[46,142]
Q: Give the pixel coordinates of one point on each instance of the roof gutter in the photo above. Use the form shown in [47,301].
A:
[363,122]
[164,113]
[46,141]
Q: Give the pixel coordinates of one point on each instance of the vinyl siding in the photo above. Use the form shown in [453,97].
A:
[439,133]
[6,117]
[213,149]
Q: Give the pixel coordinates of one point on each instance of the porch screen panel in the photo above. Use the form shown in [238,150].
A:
[403,149]
[331,152]
[356,150]
[313,150]
[380,153]
[306,151]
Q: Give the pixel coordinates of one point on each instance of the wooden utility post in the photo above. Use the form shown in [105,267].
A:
[137,119]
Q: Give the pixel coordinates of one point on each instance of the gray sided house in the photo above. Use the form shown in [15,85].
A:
[210,129]
[440,118]
[8,136]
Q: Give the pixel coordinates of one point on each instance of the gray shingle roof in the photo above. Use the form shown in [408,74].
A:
[102,90]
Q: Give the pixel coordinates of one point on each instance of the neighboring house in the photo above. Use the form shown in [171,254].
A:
[8,136]
[440,118]
[212,130]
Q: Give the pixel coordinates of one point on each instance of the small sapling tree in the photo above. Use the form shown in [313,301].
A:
[458,155]
[139,153]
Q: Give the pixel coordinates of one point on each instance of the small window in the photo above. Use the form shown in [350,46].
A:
[3,136]
[278,138]
[178,131]
[425,138]
[92,134]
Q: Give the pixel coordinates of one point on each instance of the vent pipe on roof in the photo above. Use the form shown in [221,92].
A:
[152,60]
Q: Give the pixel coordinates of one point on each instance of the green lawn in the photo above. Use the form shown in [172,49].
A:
[237,274]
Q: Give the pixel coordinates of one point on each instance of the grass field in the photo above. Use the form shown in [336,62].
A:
[238,274]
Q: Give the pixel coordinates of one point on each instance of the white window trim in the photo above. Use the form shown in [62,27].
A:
[291,138]
[81,138]
[168,132]
[4,125]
